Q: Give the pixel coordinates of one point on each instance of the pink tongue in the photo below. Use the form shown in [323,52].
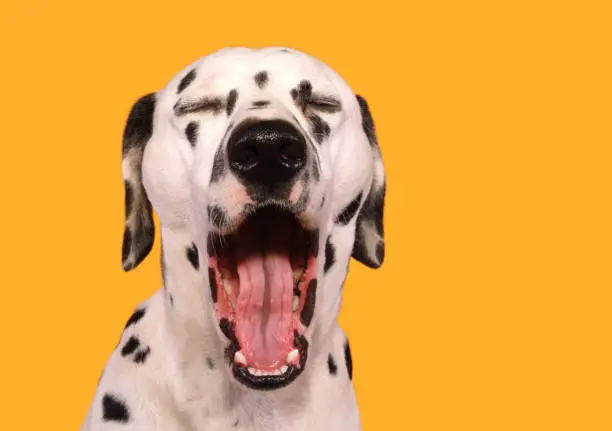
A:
[264,306]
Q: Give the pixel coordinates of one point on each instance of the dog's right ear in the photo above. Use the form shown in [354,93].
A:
[139,232]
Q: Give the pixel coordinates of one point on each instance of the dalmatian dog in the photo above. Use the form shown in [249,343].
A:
[264,169]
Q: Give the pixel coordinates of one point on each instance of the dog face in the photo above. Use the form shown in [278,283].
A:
[270,163]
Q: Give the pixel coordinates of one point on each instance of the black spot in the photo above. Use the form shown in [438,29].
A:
[261,79]
[192,255]
[191,131]
[297,292]
[209,362]
[309,303]
[320,129]
[135,317]
[330,255]
[129,198]
[171,298]
[367,122]
[236,423]
[302,94]
[331,364]
[127,244]
[217,216]
[142,355]
[348,359]
[231,101]
[212,280]
[114,410]
[261,103]
[349,211]
[130,347]
[227,328]
[187,79]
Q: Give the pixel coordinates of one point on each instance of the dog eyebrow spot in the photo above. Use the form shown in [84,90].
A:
[301,94]
[231,101]
[192,255]
[349,212]
[331,365]
[304,98]
[261,79]
[191,131]
[114,410]
[204,104]
[187,79]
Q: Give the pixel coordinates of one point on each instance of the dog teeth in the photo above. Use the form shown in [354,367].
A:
[292,356]
[240,359]
[296,303]
[278,372]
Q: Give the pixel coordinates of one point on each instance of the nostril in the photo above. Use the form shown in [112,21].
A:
[292,154]
[245,156]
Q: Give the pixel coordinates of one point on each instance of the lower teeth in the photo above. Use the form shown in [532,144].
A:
[280,371]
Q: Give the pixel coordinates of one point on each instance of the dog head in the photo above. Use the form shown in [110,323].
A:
[270,163]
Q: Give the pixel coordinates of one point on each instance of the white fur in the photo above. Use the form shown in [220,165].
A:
[175,389]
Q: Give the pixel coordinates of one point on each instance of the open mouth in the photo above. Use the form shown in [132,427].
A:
[263,281]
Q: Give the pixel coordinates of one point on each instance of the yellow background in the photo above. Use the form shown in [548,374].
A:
[492,311]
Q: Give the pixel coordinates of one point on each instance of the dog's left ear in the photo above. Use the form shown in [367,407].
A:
[139,232]
[369,246]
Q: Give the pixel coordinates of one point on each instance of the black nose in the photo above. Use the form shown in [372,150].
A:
[267,152]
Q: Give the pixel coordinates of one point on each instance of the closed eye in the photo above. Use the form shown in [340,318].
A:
[325,104]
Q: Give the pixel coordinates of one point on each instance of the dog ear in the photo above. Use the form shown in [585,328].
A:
[139,232]
[369,245]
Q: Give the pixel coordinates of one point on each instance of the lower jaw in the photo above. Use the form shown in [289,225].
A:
[245,376]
